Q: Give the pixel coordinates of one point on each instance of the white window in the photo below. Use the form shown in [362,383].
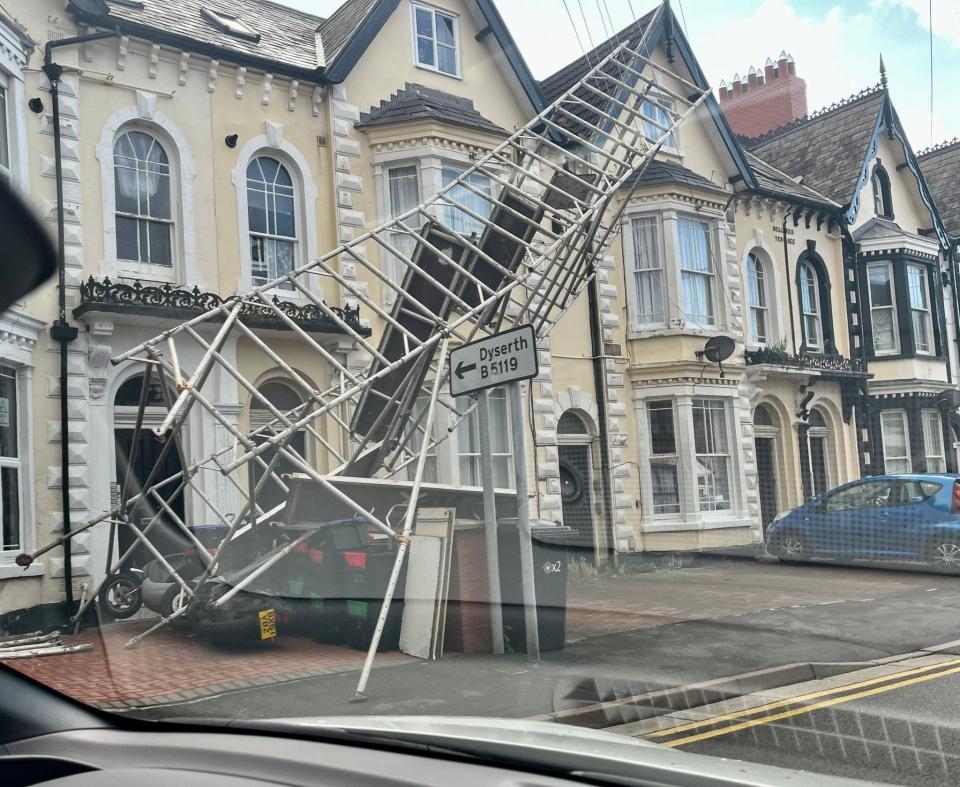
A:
[896,443]
[810,307]
[934,459]
[696,271]
[403,194]
[757,300]
[10,463]
[657,111]
[144,214]
[4,130]
[271,213]
[664,471]
[883,308]
[920,320]
[436,40]
[459,220]
[468,441]
[712,449]
[648,293]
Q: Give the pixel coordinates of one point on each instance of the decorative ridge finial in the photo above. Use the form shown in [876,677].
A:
[883,73]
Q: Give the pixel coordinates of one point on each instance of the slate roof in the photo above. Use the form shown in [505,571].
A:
[772,181]
[416,102]
[878,228]
[287,35]
[661,172]
[336,30]
[557,83]
[826,148]
[940,166]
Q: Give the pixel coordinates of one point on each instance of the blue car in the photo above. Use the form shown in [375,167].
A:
[899,518]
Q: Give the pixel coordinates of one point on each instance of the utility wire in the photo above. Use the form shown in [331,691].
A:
[930,19]
[603,21]
[586,24]
[632,12]
[576,32]
[683,17]
[613,27]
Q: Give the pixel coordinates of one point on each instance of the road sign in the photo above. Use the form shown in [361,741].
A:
[496,360]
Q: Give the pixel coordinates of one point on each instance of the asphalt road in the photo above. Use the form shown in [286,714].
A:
[908,734]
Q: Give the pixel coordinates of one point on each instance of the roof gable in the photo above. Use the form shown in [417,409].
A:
[941,169]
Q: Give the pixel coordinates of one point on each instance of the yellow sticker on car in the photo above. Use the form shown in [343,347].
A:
[268,624]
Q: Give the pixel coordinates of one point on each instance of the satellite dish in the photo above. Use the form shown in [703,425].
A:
[718,349]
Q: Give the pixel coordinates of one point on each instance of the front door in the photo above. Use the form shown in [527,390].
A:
[766,479]
[165,534]
[575,494]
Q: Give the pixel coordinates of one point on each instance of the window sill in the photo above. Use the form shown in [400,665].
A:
[10,570]
[437,71]
[705,521]
[647,333]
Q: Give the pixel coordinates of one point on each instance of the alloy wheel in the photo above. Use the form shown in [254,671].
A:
[791,548]
[946,556]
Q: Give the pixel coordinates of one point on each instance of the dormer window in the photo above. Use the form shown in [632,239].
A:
[229,24]
[435,40]
[880,181]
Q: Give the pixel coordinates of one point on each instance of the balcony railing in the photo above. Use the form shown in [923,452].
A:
[777,356]
[179,303]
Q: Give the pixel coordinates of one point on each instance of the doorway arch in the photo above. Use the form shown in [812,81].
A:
[766,433]
[575,442]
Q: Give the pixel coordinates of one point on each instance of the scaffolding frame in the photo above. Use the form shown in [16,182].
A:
[520,253]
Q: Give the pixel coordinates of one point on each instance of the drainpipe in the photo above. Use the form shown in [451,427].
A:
[955,297]
[788,282]
[600,386]
[61,331]
[862,407]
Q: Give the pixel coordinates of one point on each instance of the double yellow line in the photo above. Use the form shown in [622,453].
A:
[899,680]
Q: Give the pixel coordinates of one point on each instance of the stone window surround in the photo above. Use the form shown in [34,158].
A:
[272,143]
[144,116]
[670,210]
[12,62]
[690,516]
[18,338]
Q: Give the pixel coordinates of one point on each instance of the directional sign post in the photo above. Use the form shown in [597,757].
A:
[497,360]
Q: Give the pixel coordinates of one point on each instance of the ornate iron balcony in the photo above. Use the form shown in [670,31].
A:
[777,356]
[178,303]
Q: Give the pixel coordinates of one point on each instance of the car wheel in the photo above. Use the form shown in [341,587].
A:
[120,596]
[789,548]
[944,554]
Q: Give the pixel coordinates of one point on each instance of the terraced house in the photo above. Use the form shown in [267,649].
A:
[208,147]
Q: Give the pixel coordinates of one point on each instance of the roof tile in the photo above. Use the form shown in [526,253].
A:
[416,102]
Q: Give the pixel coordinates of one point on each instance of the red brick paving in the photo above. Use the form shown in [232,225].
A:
[170,662]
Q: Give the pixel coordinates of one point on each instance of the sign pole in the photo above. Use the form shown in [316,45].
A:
[490,522]
[523,523]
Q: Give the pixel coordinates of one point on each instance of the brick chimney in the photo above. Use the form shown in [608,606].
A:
[766,99]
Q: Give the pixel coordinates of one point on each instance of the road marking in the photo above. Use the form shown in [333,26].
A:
[799,698]
[809,708]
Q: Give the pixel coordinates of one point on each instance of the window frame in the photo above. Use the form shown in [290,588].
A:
[664,459]
[414,35]
[6,117]
[671,144]
[902,416]
[171,222]
[633,279]
[928,311]
[295,240]
[707,404]
[448,211]
[461,404]
[880,185]
[15,463]
[710,274]
[893,307]
[925,414]
[819,347]
[763,289]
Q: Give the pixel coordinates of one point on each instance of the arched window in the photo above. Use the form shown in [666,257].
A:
[880,182]
[810,307]
[758,300]
[128,394]
[284,398]
[763,416]
[271,213]
[571,423]
[144,214]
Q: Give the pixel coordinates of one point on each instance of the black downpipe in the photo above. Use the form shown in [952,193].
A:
[955,297]
[862,403]
[600,386]
[61,331]
[788,280]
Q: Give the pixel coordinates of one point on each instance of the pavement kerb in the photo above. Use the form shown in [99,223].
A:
[697,696]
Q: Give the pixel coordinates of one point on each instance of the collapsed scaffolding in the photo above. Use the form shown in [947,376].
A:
[549,214]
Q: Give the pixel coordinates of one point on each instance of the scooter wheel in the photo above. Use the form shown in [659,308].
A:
[120,596]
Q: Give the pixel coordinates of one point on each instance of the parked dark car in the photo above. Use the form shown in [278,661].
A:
[913,518]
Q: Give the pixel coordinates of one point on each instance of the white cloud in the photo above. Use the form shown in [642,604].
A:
[946,16]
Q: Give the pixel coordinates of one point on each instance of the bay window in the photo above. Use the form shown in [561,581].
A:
[696,271]
[647,272]
[883,308]
[919,297]
[896,442]
[403,194]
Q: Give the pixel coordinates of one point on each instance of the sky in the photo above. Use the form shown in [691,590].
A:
[836,45]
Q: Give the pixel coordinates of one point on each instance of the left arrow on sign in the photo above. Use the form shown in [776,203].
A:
[463,368]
